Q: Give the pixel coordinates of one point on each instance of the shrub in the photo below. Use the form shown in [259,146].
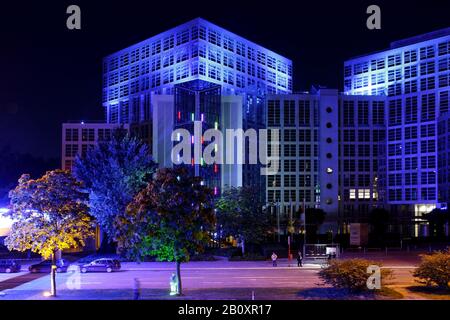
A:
[350,274]
[434,269]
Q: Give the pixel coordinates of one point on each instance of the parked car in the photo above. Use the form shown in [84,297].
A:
[9,266]
[101,265]
[46,266]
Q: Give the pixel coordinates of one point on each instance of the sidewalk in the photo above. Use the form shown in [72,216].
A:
[217,265]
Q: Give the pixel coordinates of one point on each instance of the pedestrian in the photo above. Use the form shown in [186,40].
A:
[299,259]
[137,289]
[274,259]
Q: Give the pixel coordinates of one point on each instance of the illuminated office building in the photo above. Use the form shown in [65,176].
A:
[331,154]
[383,142]
[414,75]
[185,60]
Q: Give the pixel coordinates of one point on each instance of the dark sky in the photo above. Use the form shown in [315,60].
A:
[50,74]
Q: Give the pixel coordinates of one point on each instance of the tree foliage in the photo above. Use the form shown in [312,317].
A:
[240,214]
[114,172]
[49,213]
[434,269]
[170,219]
[13,164]
[174,211]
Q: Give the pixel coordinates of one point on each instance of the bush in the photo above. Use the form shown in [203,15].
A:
[434,269]
[350,274]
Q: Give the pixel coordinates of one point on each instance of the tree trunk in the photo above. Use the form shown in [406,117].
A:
[53,275]
[179,288]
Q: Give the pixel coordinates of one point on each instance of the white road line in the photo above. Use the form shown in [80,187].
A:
[224,268]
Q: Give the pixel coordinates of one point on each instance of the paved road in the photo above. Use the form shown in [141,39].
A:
[195,275]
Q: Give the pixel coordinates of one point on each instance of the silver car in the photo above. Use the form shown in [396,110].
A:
[101,265]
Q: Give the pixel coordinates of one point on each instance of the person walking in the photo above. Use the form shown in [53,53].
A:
[274,259]
[299,259]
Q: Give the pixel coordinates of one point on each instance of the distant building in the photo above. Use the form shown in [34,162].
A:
[77,138]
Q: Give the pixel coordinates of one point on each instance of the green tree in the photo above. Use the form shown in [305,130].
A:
[240,214]
[114,172]
[437,220]
[50,214]
[171,219]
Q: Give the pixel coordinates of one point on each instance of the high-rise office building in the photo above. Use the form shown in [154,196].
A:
[444,159]
[382,143]
[330,154]
[414,75]
[183,62]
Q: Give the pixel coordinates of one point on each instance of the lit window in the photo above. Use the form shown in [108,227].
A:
[352,194]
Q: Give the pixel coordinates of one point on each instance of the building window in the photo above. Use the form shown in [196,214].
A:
[71,134]
[273,113]
[363,112]
[304,115]
[289,113]
[349,113]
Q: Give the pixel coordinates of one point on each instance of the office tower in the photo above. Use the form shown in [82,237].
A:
[329,154]
[181,61]
[414,75]
[444,159]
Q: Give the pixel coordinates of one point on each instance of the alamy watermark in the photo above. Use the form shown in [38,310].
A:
[227,148]
[374,20]
[374,280]
[73,22]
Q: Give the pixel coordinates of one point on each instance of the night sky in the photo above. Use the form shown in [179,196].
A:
[50,74]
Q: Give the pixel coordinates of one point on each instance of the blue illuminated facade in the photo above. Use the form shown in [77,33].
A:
[414,76]
[196,50]
[175,61]
[383,142]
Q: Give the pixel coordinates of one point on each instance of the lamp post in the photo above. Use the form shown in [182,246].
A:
[275,203]
[278,221]
[304,208]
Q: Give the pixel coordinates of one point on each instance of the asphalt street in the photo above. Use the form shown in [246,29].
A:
[195,275]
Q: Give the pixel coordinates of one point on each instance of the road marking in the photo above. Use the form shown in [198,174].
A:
[228,268]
